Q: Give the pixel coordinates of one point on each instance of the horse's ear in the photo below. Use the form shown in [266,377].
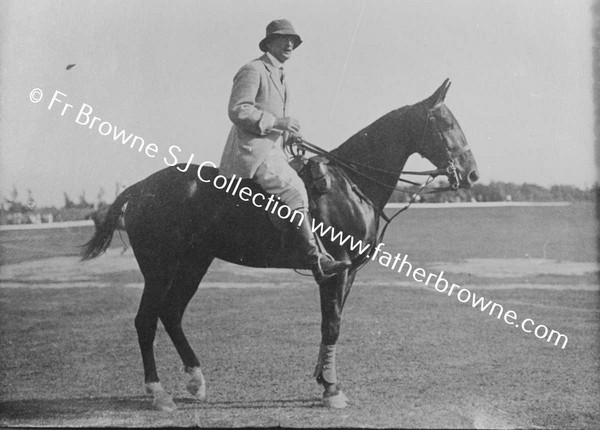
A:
[439,95]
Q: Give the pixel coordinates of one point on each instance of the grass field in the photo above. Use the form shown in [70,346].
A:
[407,356]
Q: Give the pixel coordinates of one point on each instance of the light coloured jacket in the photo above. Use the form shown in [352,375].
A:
[257,98]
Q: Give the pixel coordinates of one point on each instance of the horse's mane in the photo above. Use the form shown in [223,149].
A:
[386,136]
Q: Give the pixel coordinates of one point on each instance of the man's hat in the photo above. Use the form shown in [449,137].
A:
[279,27]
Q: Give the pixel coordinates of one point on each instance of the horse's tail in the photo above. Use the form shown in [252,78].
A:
[104,232]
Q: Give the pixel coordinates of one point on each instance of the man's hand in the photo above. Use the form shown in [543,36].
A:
[292,143]
[287,124]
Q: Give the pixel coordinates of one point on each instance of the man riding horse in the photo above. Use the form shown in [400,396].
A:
[259,110]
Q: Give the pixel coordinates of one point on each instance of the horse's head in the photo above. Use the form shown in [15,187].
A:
[443,142]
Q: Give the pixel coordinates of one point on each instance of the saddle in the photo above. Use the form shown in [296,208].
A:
[313,171]
[315,175]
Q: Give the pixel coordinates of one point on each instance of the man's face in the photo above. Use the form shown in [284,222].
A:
[281,47]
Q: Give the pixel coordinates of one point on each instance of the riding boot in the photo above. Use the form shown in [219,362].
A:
[322,265]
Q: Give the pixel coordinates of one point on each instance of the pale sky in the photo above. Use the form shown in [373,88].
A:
[520,70]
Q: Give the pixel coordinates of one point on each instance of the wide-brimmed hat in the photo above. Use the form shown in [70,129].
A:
[279,27]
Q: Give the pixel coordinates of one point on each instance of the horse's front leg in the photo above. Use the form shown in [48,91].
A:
[332,293]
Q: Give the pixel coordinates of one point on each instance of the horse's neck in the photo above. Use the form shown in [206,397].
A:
[384,147]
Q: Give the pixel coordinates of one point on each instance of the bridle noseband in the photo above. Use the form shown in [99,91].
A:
[452,154]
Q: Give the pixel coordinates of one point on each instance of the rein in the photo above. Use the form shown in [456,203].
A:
[305,145]
[389,220]
[302,146]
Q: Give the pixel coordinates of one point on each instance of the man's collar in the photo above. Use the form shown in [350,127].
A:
[274,61]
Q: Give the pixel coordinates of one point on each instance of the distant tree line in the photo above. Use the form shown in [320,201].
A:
[501,191]
[13,210]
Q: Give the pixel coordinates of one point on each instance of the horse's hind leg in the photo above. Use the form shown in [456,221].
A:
[145,324]
[157,278]
[184,286]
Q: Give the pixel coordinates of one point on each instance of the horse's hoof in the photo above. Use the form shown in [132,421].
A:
[336,401]
[196,388]
[163,402]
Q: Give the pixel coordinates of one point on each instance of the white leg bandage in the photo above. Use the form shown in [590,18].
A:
[326,363]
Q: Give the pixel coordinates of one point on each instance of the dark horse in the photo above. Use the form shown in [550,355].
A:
[178,222]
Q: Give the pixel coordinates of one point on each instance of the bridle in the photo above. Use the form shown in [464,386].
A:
[298,147]
[452,154]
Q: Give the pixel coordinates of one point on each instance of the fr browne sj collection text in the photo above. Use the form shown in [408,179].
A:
[84,116]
